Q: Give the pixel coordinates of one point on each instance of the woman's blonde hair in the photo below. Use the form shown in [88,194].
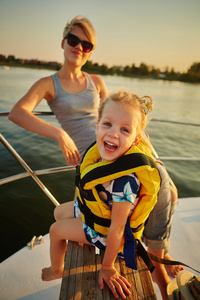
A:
[85,25]
[143,105]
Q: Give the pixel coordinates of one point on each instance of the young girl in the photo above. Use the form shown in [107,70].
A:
[117,188]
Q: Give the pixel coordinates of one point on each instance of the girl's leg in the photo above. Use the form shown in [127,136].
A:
[60,231]
[64,211]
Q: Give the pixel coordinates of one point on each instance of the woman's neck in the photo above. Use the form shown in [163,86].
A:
[70,72]
[73,81]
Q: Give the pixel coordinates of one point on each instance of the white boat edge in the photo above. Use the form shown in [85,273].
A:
[20,273]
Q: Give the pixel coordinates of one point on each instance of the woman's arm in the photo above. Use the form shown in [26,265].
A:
[108,273]
[22,115]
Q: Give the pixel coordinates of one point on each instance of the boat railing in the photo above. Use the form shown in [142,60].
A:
[50,113]
[34,174]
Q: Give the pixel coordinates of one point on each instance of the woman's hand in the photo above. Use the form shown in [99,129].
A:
[68,148]
[116,282]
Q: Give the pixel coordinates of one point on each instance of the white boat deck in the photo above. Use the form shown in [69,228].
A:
[20,274]
[185,235]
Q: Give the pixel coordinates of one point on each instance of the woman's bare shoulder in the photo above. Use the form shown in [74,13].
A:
[45,85]
[96,78]
[45,80]
[100,84]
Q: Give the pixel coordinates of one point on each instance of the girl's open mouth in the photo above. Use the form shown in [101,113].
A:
[110,146]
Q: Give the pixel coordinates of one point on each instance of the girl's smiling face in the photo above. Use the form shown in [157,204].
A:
[117,130]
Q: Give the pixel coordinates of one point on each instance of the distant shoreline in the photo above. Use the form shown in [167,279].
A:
[12,65]
[56,67]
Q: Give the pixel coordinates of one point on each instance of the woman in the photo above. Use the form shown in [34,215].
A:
[73,95]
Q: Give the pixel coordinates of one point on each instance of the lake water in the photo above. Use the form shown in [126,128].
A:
[25,211]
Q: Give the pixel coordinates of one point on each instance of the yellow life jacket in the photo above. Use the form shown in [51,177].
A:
[95,212]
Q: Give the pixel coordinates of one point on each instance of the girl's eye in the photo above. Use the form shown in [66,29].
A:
[107,124]
[125,129]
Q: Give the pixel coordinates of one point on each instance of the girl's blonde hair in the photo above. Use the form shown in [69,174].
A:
[143,105]
[85,25]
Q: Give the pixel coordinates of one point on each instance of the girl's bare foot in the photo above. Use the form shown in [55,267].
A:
[48,274]
[172,270]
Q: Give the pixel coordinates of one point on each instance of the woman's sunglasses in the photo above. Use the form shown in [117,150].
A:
[73,41]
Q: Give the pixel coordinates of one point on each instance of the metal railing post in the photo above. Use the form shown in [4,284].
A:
[28,169]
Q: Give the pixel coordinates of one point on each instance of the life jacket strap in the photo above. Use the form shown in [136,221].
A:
[140,250]
[131,247]
[138,228]
[148,257]
[131,161]
[169,262]
[91,218]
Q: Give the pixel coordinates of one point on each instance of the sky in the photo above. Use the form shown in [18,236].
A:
[159,33]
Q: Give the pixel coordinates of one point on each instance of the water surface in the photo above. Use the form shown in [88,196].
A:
[25,211]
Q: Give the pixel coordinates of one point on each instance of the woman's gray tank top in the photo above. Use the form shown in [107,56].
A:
[77,113]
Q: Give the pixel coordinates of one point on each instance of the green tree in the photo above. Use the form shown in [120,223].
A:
[143,69]
[104,69]
[11,58]
[195,68]
[2,58]
[127,70]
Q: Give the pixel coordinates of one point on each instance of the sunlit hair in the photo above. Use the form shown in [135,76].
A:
[134,102]
[85,25]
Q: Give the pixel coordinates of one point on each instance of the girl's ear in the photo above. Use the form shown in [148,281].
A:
[136,141]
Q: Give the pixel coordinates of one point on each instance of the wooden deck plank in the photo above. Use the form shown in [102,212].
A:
[146,280]
[81,273]
[89,270]
[65,279]
[72,271]
[99,293]
[138,284]
[129,274]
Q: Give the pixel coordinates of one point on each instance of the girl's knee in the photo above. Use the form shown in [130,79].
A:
[52,229]
[57,214]
[64,211]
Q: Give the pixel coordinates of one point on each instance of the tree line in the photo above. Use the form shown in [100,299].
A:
[143,70]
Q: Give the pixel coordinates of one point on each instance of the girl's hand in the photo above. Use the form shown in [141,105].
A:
[116,282]
[68,148]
